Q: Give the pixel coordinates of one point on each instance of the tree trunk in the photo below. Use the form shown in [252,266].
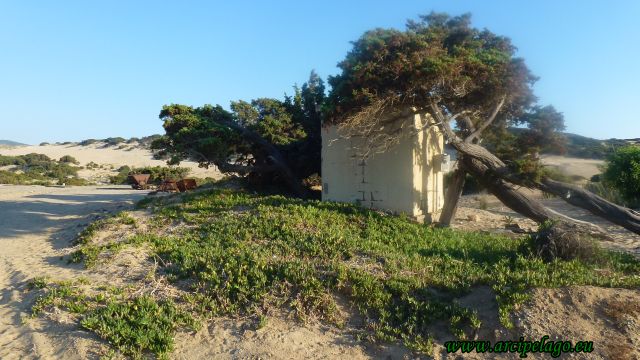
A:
[506,192]
[577,196]
[452,197]
[275,156]
[483,163]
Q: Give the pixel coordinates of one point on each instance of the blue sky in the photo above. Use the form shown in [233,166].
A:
[71,70]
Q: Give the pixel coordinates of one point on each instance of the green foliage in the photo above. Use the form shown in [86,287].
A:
[443,61]
[135,326]
[243,253]
[112,141]
[588,148]
[59,294]
[39,169]
[88,142]
[69,159]
[138,325]
[158,174]
[270,119]
[439,58]
[199,134]
[212,135]
[622,172]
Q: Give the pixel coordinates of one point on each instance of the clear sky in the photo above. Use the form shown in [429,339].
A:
[71,70]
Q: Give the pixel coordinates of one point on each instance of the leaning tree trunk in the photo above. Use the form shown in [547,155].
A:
[506,192]
[491,171]
[580,197]
[452,196]
[277,160]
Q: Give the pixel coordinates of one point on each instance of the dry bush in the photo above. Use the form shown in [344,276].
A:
[562,240]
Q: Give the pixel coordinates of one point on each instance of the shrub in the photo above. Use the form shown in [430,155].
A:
[69,159]
[88,142]
[112,141]
[564,241]
[44,144]
[622,172]
[40,169]
[158,173]
[11,160]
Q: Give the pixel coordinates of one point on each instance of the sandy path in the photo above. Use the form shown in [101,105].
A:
[36,225]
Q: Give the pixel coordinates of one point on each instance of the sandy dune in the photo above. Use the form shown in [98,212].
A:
[585,168]
[36,225]
[110,157]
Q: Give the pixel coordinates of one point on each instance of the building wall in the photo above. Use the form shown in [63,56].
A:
[404,179]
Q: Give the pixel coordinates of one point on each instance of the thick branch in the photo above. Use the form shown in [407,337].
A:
[506,192]
[487,122]
[580,197]
[275,156]
[452,196]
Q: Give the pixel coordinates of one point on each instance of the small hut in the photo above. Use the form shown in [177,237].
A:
[404,177]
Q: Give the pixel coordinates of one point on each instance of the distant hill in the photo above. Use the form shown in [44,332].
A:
[590,148]
[11,143]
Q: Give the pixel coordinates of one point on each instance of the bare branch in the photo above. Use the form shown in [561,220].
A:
[488,122]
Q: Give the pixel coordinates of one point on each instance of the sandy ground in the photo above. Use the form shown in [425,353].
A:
[485,212]
[574,166]
[110,158]
[37,225]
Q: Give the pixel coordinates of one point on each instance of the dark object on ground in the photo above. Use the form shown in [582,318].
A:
[186,184]
[565,241]
[139,181]
[169,186]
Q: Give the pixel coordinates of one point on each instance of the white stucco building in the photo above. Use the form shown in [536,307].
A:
[405,178]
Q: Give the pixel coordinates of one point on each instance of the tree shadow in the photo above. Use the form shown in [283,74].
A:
[41,213]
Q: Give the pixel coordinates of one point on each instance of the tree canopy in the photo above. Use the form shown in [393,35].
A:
[438,59]
[266,138]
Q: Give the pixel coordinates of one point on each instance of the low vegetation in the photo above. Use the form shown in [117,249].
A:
[132,324]
[622,173]
[588,148]
[39,169]
[121,142]
[238,253]
[158,173]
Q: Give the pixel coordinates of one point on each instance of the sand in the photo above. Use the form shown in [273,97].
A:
[111,158]
[585,168]
[484,212]
[36,227]
[38,224]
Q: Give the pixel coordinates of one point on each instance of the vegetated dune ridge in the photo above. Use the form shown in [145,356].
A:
[110,157]
[38,224]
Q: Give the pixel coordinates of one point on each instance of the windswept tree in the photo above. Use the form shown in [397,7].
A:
[267,139]
[474,87]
